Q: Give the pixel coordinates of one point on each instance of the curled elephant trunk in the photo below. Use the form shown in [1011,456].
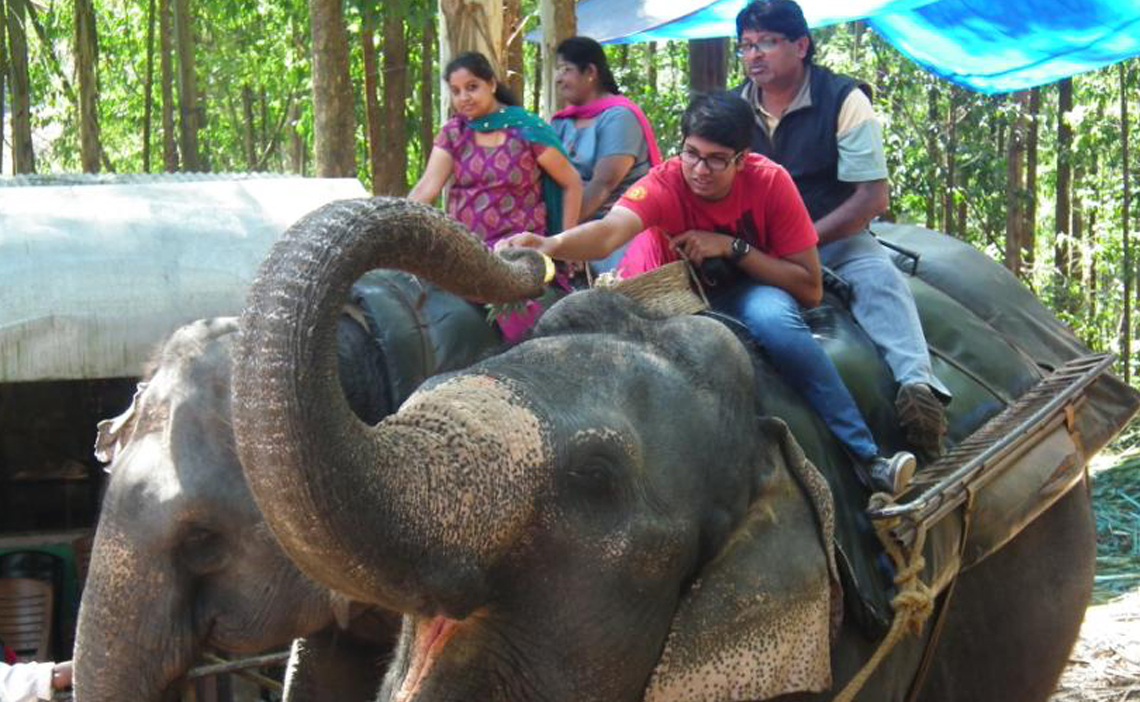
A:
[371,511]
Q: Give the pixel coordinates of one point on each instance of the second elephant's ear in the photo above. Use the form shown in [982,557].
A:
[759,621]
[116,432]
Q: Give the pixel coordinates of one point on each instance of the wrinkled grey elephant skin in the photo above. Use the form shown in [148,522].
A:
[543,516]
[182,560]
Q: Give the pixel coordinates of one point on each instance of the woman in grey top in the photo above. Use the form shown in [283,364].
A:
[608,138]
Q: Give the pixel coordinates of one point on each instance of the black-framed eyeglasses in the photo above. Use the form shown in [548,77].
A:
[714,162]
[761,46]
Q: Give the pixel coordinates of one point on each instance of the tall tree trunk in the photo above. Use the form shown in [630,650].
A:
[949,191]
[166,68]
[148,84]
[558,22]
[1126,345]
[933,155]
[473,25]
[1077,258]
[394,176]
[427,48]
[23,155]
[1029,231]
[1093,210]
[297,150]
[708,64]
[86,58]
[334,124]
[1093,279]
[247,136]
[3,75]
[651,66]
[1063,230]
[536,96]
[189,111]
[513,46]
[1015,186]
[963,224]
[372,115]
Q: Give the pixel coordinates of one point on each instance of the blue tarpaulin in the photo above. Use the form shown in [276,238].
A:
[991,46]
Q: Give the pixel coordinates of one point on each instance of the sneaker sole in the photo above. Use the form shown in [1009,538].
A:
[922,418]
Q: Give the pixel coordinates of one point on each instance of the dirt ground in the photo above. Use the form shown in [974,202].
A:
[1105,665]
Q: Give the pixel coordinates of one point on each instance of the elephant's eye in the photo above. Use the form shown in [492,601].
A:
[594,476]
[202,551]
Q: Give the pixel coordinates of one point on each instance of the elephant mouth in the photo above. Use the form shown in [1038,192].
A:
[431,637]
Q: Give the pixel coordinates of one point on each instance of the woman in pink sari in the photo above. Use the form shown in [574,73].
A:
[606,135]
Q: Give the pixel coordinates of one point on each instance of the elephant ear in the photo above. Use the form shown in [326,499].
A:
[760,619]
[116,432]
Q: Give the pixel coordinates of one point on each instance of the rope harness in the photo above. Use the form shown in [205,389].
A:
[913,603]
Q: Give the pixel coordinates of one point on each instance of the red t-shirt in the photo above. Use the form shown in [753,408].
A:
[763,208]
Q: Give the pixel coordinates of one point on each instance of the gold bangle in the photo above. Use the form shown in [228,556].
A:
[549,268]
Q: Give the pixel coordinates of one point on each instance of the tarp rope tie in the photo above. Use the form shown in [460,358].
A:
[913,603]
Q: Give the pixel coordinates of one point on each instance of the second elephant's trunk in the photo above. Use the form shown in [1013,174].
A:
[397,514]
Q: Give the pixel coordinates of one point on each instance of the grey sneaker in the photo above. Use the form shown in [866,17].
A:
[922,418]
[890,475]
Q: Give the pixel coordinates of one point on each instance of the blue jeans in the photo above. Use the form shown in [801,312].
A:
[883,305]
[773,318]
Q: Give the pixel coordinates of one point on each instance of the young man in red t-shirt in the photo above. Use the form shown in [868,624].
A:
[718,200]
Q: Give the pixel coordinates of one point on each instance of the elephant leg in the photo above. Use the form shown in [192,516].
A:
[333,666]
[1016,615]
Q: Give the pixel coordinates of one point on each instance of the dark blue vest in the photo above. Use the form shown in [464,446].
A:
[805,142]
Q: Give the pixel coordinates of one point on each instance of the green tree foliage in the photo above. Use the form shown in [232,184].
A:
[946,146]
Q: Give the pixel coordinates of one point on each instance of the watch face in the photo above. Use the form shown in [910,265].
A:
[740,247]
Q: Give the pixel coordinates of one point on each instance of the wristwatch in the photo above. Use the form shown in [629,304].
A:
[740,249]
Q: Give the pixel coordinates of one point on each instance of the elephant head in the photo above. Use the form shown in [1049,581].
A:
[182,560]
[548,518]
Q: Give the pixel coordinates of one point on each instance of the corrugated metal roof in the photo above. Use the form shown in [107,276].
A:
[95,270]
[36,179]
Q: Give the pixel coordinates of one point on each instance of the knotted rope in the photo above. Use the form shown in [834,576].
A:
[913,603]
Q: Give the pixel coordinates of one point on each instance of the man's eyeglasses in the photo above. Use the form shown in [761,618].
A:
[761,46]
[714,162]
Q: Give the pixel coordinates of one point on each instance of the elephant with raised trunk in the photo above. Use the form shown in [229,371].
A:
[183,560]
[597,514]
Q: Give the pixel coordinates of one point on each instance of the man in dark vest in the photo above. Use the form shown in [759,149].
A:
[820,126]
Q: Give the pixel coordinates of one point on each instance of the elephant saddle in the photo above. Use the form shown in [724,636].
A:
[1031,406]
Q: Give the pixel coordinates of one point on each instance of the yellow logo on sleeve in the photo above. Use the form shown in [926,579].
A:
[637,192]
